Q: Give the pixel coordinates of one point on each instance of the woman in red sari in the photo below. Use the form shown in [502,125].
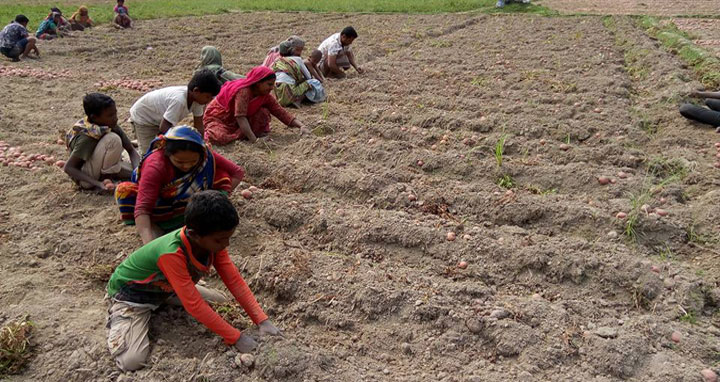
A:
[242,109]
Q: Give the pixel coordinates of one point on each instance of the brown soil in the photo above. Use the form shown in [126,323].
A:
[361,279]
[636,7]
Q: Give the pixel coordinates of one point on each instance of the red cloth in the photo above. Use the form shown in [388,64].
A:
[157,171]
[221,124]
[174,267]
[270,58]
[228,91]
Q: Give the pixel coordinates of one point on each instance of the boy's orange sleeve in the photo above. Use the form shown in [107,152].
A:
[238,287]
[174,267]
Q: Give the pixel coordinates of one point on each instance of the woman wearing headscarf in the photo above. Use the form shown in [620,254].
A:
[243,109]
[296,42]
[177,165]
[63,25]
[80,19]
[48,29]
[294,83]
[211,59]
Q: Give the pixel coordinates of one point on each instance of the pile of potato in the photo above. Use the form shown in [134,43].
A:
[13,156]
[6,71]
[141,85]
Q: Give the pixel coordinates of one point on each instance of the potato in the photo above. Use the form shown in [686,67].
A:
[462,264]
[450,236]
[247,194]
[603,180]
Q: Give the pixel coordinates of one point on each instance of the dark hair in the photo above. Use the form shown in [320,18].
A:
[56,10]
[206,81]
[269,77]
[349,31]
[21,19]
[173,146]
[120,1]
[209,212]
[95,103]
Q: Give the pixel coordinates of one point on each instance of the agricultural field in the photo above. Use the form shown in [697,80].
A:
[500,197]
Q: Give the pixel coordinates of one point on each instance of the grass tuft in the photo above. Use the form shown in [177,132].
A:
[15,346]
[506,181]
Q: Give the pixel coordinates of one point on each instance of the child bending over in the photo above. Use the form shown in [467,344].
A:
[96,143]
[167,270]
[157,111]
[313,63]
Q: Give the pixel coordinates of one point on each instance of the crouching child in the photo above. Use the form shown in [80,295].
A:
[96,145]
[166,271]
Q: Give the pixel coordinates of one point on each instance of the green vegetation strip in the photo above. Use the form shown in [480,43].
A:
[101,11]
[704,63]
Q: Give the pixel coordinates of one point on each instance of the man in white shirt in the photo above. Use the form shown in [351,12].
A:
[337,56]
[157,111]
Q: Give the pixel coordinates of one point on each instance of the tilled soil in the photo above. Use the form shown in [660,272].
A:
[636,7]
[346,245]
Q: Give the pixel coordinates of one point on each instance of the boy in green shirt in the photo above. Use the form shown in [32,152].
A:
[167,269]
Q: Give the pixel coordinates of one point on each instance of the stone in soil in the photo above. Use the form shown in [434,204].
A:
[606,332]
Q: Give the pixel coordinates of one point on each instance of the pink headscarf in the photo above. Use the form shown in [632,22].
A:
[230,88]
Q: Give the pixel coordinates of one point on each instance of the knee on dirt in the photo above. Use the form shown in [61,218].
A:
[686,109]
[131,361]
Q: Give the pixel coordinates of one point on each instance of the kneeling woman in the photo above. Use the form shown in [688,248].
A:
[177,165]
[242,109]
[294,82]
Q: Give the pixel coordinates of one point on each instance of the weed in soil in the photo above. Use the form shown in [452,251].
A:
[15,346]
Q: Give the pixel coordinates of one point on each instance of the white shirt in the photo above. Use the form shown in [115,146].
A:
[332,47]
[168,103]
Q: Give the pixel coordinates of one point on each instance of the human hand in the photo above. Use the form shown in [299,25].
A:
[304,130]
[102,190]
[245,344]
[267,328]
[109,185]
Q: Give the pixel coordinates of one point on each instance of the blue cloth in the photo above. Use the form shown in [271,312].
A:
[316,93]
[45,26]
